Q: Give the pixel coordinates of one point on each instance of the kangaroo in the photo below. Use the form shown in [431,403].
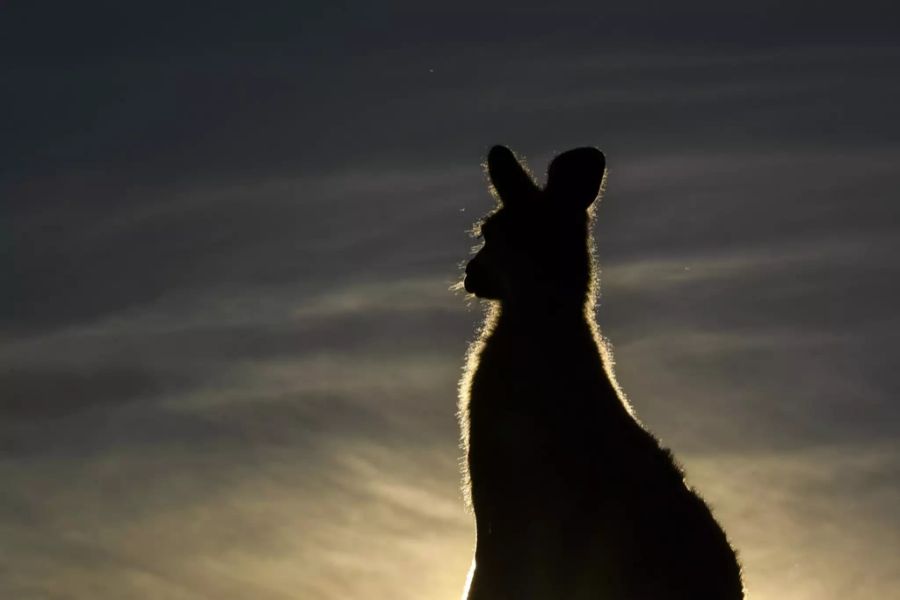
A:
[573,498]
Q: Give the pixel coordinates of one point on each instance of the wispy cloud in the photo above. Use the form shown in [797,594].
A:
[230,355]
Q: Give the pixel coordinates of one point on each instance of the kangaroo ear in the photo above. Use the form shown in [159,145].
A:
[576,175]
[510,180]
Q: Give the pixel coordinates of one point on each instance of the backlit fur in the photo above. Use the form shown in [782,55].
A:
[573,498]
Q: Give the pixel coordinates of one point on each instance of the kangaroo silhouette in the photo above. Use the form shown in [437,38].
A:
[573,498]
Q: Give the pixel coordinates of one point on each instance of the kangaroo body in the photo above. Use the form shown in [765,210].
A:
[573,498]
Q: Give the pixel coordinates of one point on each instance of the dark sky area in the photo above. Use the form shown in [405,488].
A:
[228,351]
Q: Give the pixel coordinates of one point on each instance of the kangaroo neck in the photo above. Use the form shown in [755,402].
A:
[535,320]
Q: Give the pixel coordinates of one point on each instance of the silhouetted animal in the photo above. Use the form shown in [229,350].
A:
[573,498]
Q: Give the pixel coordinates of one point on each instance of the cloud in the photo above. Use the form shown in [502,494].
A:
[35,393]
[814,522]
[374,522]
[230,356]
[306,232]
[317,475]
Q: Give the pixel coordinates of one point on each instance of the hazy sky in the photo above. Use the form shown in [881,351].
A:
[229,354]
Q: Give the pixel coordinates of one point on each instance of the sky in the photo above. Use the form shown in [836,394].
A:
[228,350]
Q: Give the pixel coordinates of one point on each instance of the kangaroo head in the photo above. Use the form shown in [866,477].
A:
[536,242]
